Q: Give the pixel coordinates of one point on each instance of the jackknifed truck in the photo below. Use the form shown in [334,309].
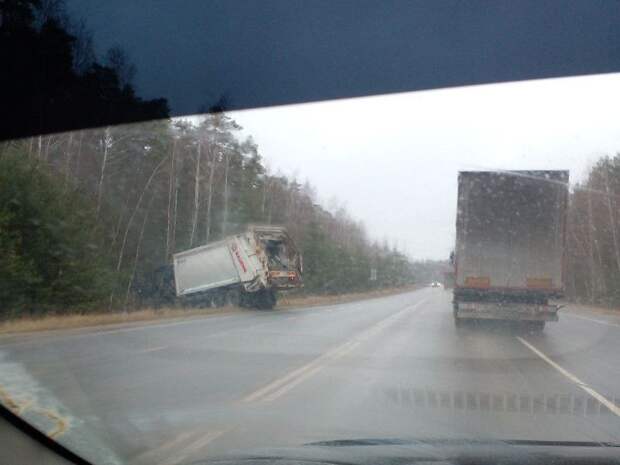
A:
[510,241]
[243,269]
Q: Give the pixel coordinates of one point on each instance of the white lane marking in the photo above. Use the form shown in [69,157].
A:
[152,349]
[287,382]
[593,320]
[601,398]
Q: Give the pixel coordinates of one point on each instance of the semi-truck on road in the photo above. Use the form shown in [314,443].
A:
[242,269]
[509,253]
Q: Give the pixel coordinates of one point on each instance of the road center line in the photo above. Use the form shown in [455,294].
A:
[347,348]
[601,398]
[287,382]
[200,445]
[152,349]
[178,449]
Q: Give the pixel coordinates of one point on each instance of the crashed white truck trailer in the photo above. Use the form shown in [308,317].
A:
[509,254]
[245,269]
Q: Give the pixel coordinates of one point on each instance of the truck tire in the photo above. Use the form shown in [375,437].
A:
[219,299]
[272,300]
[204,301]
[264,299]
[233,297]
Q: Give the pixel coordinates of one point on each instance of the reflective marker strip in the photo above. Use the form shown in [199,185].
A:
[601,398]
[481,282]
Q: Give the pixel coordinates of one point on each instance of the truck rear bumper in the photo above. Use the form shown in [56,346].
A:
[512,312]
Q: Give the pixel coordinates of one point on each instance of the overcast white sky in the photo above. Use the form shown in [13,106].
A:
[393,160]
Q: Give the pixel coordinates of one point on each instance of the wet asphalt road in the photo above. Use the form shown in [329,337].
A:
[391,367]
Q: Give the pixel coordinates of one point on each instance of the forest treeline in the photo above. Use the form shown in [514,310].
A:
[87,217]
[593,244]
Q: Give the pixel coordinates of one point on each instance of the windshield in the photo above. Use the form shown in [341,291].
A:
[433,265]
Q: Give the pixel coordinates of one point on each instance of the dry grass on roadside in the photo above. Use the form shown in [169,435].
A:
[291,301]
[22,325]
[73,321]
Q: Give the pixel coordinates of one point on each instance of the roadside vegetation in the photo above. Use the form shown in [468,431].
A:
[87,217]
[593,254]
[97,318]
[86,225]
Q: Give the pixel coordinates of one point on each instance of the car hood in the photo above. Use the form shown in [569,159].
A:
[404,451]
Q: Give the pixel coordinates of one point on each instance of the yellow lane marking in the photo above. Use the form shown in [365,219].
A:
[287,382]
[601,398]
[341,352]
[199,445]
[180,448]
[152,349]
[153,455]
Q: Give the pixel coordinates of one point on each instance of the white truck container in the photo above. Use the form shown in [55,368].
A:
[509,254]
[245,268]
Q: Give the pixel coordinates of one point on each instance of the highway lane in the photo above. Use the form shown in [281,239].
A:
[387,367]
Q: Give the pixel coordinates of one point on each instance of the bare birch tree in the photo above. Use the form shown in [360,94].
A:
[196,192]
[106,145]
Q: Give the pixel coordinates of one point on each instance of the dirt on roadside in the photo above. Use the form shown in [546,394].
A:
[74,321]
[71,321]
[293,301]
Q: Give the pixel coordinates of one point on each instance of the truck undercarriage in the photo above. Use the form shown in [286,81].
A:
[532,308]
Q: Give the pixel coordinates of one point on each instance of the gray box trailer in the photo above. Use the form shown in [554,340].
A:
[246,269]
[510,238]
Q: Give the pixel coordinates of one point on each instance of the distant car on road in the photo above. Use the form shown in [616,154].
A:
[435,284]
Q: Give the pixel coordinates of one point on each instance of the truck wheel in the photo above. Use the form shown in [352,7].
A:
[268,300]
[256,300]
[207,300]
[219,299]
[264,300]
[233,298]
[272,300]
